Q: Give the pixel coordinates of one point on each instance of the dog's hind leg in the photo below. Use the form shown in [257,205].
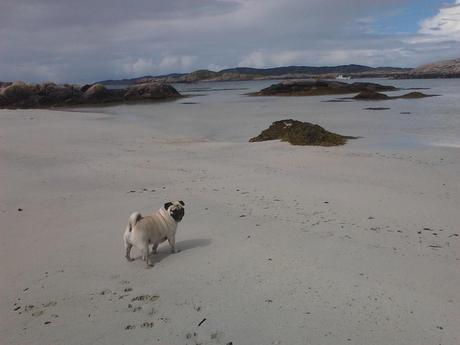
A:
[146,257]
[128,247]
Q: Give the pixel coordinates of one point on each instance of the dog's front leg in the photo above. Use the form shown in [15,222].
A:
[172,243]
[155,248]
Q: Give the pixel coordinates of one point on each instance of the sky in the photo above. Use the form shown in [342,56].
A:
[90,40]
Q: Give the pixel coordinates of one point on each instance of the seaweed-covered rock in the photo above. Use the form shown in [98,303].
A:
[376,96]
[371,95]
[21,95]
[300,133]
[150,91]
[17,91]
[96,92]
[413,95]
[85,87]
[320,87]
[52,94]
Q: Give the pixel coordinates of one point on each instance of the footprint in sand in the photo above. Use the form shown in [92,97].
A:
[28,308]
[49,304]
[147,325]
[105,292]
[145,298]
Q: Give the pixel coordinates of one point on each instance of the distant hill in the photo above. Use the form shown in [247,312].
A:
[247,73]
[276,71]
[440,69]
[135,80]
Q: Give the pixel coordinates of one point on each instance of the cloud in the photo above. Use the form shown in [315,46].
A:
[177,63]
[145,66]
[443,26]
[91,40]
[328,56]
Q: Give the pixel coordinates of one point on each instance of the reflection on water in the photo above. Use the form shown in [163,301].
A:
[222,111]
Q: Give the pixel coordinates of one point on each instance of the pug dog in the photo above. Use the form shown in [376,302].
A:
[143,232]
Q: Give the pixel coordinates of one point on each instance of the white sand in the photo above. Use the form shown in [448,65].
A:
[279,244]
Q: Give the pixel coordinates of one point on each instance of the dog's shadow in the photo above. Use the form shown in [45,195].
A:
[164,249]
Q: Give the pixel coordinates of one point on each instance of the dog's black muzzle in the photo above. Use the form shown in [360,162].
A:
[178,214]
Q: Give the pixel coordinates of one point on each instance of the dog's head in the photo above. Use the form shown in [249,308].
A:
[175,209]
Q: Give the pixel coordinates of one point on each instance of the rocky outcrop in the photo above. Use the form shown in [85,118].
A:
[414,95]
[371,95]
[150,91]
[50,94]
[96,92]
[300,133]
[17,92]
[320,87]
[21,95]
[377,96]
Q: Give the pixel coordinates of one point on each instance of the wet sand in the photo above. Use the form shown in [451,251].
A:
[279,245]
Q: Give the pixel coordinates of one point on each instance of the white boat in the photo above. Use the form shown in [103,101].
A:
[342,77]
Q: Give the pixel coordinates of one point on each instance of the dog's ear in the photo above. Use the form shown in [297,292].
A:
[181,202]
[167,205]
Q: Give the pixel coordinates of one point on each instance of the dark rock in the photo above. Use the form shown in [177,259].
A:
[376,96]
[377,108]
[97,92]
[17,92]
[415,95]
[370,95]
[300,133]
[51,94]
[21,95]
[320,87]
[150,91]
[85,87]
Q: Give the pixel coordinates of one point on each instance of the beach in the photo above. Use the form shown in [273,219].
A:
[280,244]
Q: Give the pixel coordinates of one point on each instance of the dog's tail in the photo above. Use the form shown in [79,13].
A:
[133,219]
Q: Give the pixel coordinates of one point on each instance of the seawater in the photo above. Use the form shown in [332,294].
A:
[222,111]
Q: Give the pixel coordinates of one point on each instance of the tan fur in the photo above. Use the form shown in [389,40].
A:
[153,229]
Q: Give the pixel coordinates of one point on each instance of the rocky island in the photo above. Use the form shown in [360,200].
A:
[300,133]
[369,95]
[320,87]
[22,95]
